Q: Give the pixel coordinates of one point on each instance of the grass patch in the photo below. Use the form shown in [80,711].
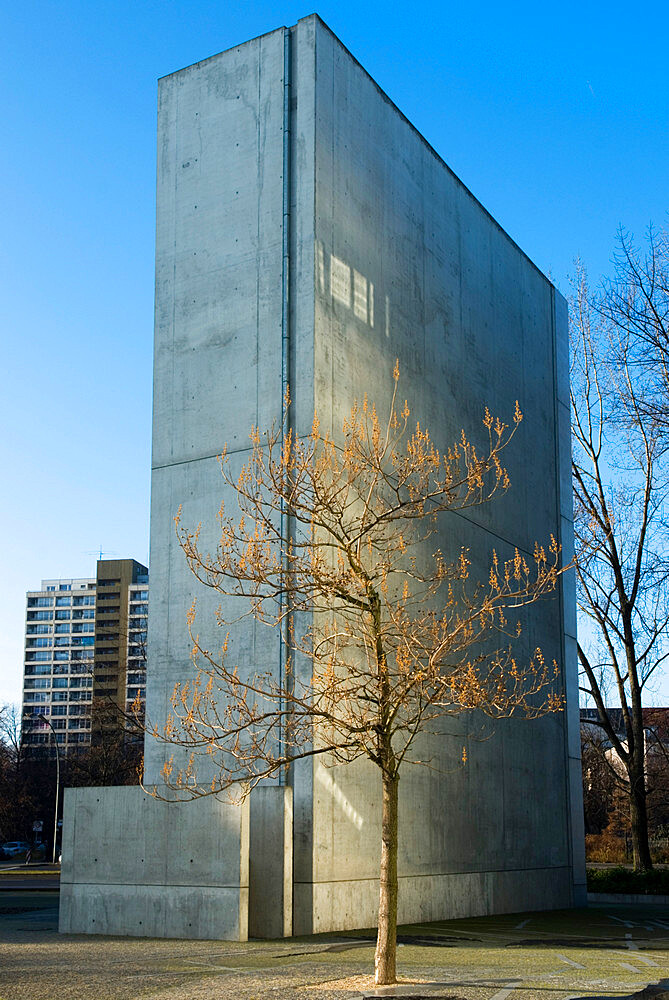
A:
[655,883]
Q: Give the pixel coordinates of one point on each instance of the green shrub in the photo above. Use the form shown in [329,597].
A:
[624,880]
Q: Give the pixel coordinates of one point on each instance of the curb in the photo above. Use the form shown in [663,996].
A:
[630,899]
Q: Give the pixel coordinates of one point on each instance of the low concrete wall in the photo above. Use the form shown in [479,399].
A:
[137,866]
[271,863]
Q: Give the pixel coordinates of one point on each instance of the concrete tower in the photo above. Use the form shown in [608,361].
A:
[307,233]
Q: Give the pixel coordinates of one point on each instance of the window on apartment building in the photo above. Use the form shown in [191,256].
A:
[38,629]
[59,710]
[36,697]
[40,602]
[60,682]
[63,602]
[37,656]
[59,696]
[84,613]
[83,601]
[139,595]
[81,654]
[62,616]
[37,682]
[61,640]
[61,655]
[49,588]
[38,668]
[40,616]
[62,628]
[109,583]
[76,696]
[60,668]
[58,723]
[38,642]
[65,586]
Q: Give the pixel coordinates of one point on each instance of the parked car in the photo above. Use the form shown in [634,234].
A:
[13,848]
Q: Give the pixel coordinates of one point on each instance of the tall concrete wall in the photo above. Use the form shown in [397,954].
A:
[409,265]
[365,249]
[303,222]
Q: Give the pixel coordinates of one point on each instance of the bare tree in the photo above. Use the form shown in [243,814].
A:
[635,304]
[620,488]
[395,639]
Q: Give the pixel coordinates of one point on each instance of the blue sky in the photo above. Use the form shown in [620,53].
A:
[555,116]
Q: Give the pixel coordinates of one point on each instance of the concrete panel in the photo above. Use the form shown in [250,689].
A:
[198,488]
[271,862]
[354,905]
[137,865]
[218,250]
[577,830]
[171,911]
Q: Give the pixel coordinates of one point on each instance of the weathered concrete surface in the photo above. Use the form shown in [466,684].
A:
[271,863]
[410,266]
[146,868]
[217,326]
[367,249]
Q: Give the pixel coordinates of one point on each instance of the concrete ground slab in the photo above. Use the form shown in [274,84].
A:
[604,951]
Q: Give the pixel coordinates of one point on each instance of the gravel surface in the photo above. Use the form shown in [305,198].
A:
[602,952]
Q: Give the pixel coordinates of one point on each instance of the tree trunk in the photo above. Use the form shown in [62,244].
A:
[386,941]
[639,819]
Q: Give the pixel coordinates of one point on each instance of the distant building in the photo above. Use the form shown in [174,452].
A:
[655,731]
[85,642]
[654,719]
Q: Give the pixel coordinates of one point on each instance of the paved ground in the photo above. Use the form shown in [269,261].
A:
[33,876]
[601,952]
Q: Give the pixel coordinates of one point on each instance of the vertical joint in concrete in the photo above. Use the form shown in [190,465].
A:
[285,345]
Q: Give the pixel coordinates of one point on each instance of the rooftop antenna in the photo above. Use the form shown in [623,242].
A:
[99,553]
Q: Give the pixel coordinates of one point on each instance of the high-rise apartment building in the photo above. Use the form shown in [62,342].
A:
[85,642]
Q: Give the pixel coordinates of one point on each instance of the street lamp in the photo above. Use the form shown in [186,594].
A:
[55,818]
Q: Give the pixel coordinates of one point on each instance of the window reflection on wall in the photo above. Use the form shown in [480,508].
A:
[346,285]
